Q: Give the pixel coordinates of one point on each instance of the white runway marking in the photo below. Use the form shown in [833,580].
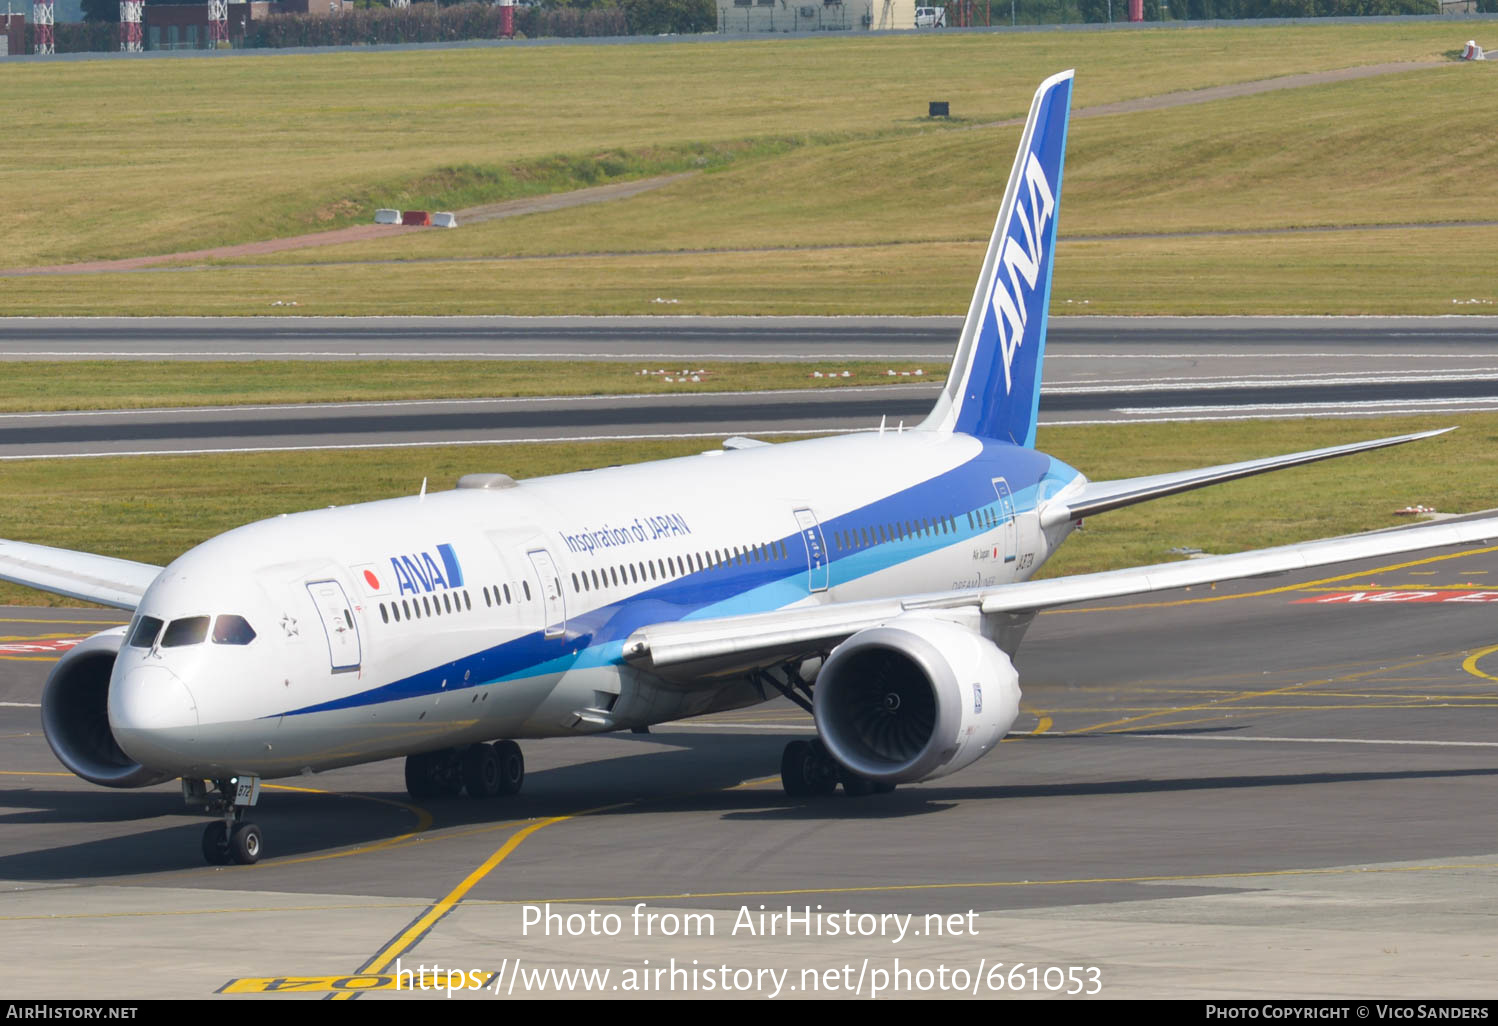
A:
[723,433]
[1394,405]
[1391,409]
[375,404]
[1104,386]
[1301,740]
[21,705]
[607,354]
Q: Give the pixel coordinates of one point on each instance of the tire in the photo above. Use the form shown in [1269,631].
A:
[823,772]
[511,766]
[245,844]
[481,771]
[793,766]
[855,786]
[216,844]
[419,783]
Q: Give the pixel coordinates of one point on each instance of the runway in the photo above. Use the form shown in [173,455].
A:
[1142,340]
[1098,371]
[1280,787]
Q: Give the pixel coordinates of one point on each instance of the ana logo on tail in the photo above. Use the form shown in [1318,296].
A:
[993,390]
[1021,262]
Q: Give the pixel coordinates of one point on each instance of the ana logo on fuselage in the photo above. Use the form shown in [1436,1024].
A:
[1021,262]
[422,573]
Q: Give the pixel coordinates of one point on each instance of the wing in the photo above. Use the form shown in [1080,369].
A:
[80,575]
[1102,496]
[694,650]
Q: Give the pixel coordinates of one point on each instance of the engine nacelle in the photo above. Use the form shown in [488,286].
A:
[75,716]
[914,699]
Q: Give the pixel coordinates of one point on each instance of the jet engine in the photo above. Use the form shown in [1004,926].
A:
[75,716]
[914,699]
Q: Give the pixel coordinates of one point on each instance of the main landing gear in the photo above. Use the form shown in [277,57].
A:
[808,770]
[483,771]
[231,839]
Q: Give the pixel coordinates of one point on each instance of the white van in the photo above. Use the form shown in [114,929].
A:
[930,17]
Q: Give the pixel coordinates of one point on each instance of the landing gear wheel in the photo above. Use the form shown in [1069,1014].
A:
[481,776]
[511,766]
[245,843]
[882,788]
[855,786]
[419,783]
[216,844]
[807,771]
[434,775]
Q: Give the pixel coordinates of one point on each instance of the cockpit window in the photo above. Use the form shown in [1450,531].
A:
[231,629]
[144,635]
[190,630]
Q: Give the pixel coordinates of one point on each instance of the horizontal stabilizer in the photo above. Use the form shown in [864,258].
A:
[1102,496]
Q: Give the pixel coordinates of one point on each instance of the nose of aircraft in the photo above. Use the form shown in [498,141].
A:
[152,714]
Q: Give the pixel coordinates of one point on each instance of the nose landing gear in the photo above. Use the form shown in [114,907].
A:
[231,839]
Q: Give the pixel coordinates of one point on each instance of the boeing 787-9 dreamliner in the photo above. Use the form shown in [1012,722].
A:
[881,580]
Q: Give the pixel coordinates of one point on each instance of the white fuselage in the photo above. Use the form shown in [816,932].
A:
[419,623]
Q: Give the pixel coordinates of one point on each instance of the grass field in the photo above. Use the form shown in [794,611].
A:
[131,384]
[823,188]
[153,508]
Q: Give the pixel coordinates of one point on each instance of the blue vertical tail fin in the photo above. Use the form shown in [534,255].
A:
[994,387]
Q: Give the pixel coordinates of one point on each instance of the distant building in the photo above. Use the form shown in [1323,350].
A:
[1458,6]
[12,35]
[815,15]
[185,26]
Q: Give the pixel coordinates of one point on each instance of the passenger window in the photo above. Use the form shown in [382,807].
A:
[467,602]
[144,635]
[395,610]
[575,587]
[231,629]
[190,630]
[527,586]
[507,593]
[384,617]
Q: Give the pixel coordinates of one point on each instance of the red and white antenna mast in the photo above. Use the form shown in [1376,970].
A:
[507,19]
[41,16]
[130,25]
[218,23]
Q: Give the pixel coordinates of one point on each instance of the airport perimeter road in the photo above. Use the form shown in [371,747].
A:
[1279,788]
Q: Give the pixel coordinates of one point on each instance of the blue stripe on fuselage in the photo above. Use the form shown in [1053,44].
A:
[595,637]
